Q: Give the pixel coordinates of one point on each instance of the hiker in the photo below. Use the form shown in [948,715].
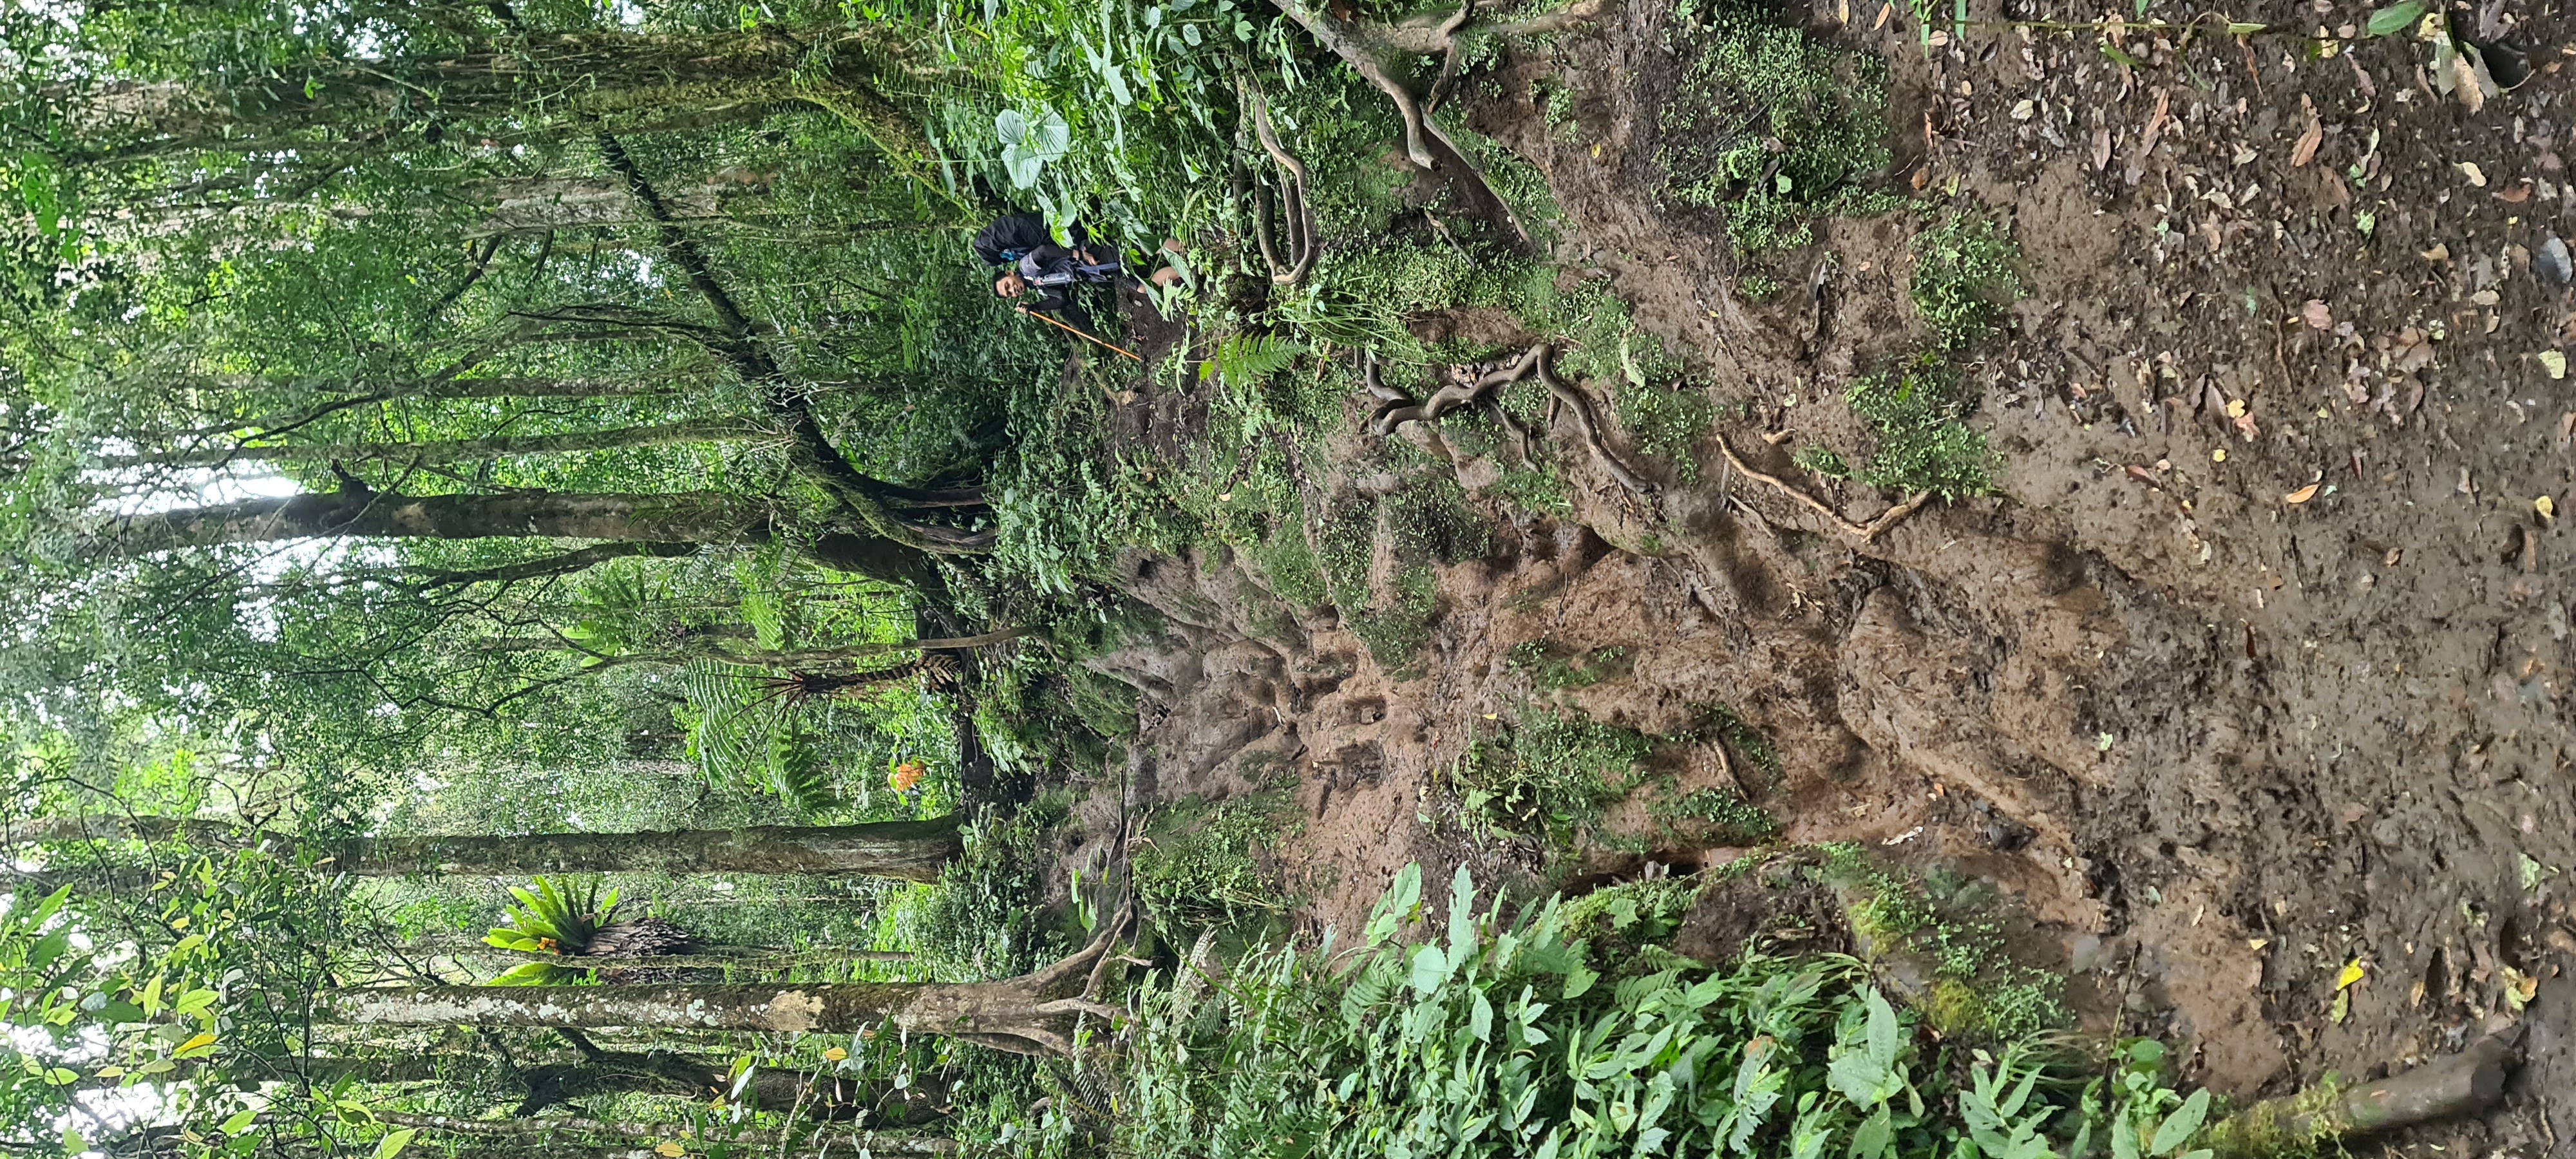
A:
[1013,235]
[1038,263]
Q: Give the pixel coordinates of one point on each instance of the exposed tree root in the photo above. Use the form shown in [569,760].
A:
[1300,223]
[1862,532]
[1448,55]
[1358,48]
[1398,409]
[1581,404]
[2459,1084]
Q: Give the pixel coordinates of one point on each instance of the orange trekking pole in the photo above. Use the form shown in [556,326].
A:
[1078,333]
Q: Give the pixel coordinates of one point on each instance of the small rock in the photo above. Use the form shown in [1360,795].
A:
[2552,261]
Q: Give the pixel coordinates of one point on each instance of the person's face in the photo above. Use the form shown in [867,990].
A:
[1009,286]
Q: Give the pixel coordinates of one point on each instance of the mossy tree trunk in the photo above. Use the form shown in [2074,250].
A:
[1031,1014]
[903,850]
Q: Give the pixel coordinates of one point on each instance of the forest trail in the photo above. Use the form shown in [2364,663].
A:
[2252,671]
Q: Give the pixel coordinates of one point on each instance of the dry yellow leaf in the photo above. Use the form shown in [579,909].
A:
[194,1043]
[2553,362]
[2415,996]
[2546,506]
[670,1151]
[2218,456]
[835,1054]
[2235,408]
[2301,495]
[2476,176]
[2352,972]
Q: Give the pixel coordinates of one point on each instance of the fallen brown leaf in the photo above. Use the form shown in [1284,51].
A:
[2101,147]
[2301,495]
[2155,126]
[2317,315]
[2519,193]
[2313,136]
[2245,423]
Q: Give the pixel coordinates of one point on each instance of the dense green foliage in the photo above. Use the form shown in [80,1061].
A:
[1770,125]
[1500,1036]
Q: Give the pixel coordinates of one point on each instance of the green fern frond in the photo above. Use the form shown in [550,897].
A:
[1246,358]
[797,772]
[735,721]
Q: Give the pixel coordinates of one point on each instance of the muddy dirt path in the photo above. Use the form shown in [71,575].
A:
[2255,668]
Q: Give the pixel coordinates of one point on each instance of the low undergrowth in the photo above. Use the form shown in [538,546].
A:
[1496,1037]
[1770,125]
[1916,411]
[1200,864]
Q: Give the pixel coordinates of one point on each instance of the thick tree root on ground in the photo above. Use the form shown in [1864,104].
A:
[1299,222]
[1863,532]
[1358,48]
[2464,1082]
[1397,409]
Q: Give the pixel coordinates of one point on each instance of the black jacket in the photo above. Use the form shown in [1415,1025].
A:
[1013,235]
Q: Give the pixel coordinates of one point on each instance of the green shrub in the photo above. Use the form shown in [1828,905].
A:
[1715,815]
[1553,666]
[1199,864]
[1822,460]
[1548,774]
[1495,1038]
[1917,411]
[1963,277]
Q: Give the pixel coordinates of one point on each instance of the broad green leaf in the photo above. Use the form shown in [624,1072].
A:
[1395,905]
[392,1144]
[1579,980]
[1871,1139]
[1430,969]
[2395,18]
[1480,1019]
[1883,1030]
[2184,1123]
[1462,916]
[236,1124]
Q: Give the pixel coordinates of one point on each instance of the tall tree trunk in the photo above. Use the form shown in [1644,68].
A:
[702,517]
[448,451]
[689,516]
[604,1072]
[1030,1014]
[525,88]
[903,850]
